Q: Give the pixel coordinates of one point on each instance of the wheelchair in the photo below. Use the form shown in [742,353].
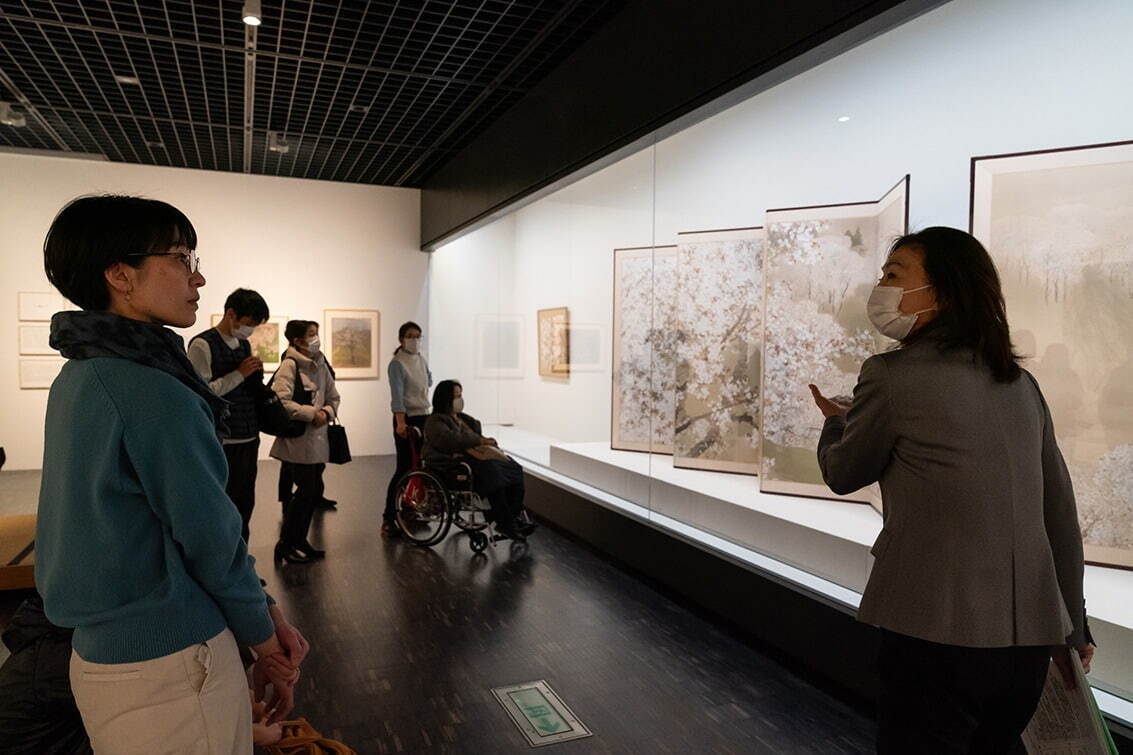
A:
[435,495]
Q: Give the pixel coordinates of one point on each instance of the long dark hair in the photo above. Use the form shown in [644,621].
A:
[442,396]
[972,312]
[405,328]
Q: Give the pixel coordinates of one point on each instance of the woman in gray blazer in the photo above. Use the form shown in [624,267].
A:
[977,580]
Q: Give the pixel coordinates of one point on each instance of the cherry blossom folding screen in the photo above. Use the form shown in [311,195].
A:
[1059,225]
[820,265]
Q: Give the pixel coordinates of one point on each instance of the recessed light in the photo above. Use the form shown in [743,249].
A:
[155,145]
[127,80]
[359,108]
[843,118]
[252,14]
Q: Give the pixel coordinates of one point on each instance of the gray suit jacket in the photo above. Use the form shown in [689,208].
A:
[980,545]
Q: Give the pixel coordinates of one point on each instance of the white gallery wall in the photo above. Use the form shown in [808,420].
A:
[305,245]
[973,77]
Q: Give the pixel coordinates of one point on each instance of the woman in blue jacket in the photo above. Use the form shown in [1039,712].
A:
[138,548]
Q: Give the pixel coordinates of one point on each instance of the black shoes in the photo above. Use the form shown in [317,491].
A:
[310,551]
[290,554]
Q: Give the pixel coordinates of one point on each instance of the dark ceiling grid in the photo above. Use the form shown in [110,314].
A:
[24,87]
[385,111]
[485,95]
[380,170]
[436,69]
[380,91]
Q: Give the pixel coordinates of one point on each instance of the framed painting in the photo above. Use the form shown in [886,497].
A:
[35,306]
[643,403]
[35,340]
[587,352]
[499,346]
[719,313]
[39,374]
[554,342]
[267,340]
[820,265]
[1057,223]
[353,342]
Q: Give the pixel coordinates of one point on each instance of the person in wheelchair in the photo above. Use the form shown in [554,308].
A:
[452,434]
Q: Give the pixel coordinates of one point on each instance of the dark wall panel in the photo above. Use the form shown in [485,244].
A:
[653,62]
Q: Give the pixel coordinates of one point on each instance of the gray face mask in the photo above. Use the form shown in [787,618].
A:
[412,345]
[458,405]
[243,331]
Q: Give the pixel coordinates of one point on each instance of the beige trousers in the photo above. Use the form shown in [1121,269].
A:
[194,701]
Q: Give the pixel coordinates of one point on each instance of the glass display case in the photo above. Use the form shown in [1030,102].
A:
[644,336]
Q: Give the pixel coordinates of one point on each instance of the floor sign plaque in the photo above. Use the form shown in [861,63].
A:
[540,714]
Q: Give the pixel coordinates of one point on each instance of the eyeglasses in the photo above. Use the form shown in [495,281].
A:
[190,260]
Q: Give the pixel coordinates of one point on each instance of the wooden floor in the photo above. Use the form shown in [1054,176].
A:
[407,643]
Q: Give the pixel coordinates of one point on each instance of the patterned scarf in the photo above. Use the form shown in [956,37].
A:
[86,335]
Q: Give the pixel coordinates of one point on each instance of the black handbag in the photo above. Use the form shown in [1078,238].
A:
[339,446]
[272,417]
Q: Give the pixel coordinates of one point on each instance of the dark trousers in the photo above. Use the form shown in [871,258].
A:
[287,484]
[404,462]
[501,482]
[949,699]
[241,486]
[308,479]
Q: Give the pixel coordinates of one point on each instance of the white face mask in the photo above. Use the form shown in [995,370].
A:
[412,344]
[458,405]
[243,331]
[313,345]
[884,310]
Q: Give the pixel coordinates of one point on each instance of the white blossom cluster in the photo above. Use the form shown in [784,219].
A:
[812,270]
[644,378]
[1104,493]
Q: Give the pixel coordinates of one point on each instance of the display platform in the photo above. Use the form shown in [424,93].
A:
[821,546]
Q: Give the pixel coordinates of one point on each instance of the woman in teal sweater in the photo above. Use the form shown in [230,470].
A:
[138,547]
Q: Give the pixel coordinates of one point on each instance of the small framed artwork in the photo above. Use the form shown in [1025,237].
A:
[353,342]
[586,347]
[499,346]
[39,374]
[39,307]
[267,340]
[554,342]
[35,340]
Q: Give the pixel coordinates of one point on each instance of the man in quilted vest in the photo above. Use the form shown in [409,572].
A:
[224,358]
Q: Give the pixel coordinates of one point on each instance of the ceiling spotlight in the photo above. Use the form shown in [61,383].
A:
[359,108]
[155,145]
[252,14]
[277,143]
[9,117]
[843,118]
[128,80]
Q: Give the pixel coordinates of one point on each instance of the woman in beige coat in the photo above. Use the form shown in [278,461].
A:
[306,389]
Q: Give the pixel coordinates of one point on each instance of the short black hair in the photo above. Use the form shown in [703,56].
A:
[92,233]
[247,303]
[442,396]
[972,311]
[296,329]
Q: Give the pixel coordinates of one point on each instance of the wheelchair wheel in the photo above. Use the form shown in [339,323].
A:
[422,507]
[468,512]
[478,541]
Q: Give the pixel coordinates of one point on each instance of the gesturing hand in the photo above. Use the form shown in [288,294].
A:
[828,407]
